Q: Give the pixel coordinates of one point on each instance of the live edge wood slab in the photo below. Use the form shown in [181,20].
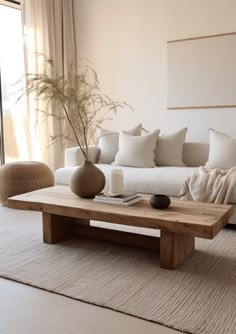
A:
[65,214]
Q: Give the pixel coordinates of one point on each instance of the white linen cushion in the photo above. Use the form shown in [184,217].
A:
[157,180]
[169,149]
[222,152]
[137,151]
[108,142]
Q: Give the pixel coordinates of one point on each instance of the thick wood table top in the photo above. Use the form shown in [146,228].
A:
[193,218]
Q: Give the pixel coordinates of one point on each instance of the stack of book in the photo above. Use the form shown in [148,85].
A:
[121,199]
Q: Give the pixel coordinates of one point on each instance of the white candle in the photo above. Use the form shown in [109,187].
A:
[116,182]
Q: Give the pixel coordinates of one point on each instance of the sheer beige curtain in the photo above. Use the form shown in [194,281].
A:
[48,28]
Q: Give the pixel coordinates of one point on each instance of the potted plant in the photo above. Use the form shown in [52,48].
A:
[84,107]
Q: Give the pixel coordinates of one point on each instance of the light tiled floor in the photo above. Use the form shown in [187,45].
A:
[27,310]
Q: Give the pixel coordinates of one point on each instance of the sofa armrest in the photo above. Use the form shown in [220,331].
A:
[74,156]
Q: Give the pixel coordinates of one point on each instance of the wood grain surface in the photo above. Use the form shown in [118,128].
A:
[175,248]
[185,217]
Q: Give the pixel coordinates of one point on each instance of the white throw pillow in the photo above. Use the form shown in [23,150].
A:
[137,151]
[108,142]
[222,152]
[169,149]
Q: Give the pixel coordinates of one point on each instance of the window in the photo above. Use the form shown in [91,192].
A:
[12,68]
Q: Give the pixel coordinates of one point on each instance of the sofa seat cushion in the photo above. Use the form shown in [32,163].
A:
[157,180]
[162,180]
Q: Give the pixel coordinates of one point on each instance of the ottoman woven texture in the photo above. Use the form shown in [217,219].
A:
[23,176]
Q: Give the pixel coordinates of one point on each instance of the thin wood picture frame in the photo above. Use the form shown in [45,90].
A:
[202,72]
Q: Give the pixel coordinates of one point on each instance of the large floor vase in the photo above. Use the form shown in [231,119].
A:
[87,180]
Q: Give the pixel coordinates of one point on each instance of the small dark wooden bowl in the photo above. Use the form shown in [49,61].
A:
[160,201]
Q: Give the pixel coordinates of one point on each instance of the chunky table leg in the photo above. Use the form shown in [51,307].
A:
[174,248]
[57,228]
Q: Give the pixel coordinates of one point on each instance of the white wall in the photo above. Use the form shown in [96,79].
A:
[126,41]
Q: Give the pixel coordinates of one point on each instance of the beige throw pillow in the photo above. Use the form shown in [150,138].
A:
[222,152]
[169,149]
[137,151]
[108,142]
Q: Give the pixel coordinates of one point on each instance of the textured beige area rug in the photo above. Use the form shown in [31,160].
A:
[200,297]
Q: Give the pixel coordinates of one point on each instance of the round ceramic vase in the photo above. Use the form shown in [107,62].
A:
[160,201]
[87,180]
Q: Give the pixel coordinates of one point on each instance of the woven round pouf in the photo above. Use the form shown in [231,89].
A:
[23,176]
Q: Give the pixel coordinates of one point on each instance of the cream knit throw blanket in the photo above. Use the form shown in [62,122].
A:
[209,185]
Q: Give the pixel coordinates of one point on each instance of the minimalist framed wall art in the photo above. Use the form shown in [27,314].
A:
[202,72]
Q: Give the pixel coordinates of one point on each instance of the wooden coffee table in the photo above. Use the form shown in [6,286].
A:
[65,214]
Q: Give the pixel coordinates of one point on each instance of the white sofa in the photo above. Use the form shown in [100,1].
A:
[157,180]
